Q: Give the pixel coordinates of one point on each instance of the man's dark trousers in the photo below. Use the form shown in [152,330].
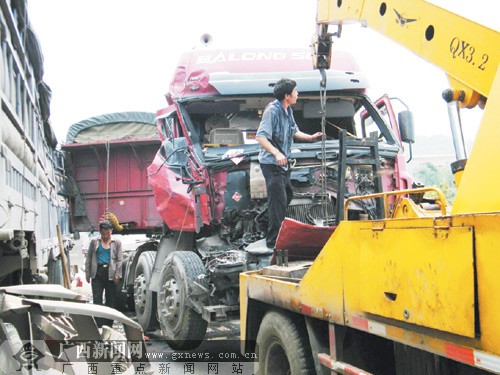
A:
[101,283]
[279,196]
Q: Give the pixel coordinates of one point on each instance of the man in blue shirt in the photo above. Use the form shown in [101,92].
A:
[276,133]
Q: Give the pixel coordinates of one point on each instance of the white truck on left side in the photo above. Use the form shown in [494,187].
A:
[43,327]
[32,200]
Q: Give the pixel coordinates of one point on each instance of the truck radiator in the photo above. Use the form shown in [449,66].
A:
[309,210]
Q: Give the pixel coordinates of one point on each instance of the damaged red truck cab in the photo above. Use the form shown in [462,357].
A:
[221,94]
[210,191]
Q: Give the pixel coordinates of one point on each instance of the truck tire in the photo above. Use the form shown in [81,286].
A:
[121,298]
[54,270]
[182,326]
[124,299]
[145,304]
[283,346]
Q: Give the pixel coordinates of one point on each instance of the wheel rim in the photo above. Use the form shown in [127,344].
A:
[140,293]
[277,361]
[171,303]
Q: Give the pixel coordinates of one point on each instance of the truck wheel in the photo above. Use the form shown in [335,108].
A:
[124,299]
[182,326]
[54,270]
[130,298]
[145,305]
[283,346]
[121,297]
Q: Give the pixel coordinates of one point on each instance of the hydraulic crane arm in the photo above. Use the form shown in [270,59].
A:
[468,52]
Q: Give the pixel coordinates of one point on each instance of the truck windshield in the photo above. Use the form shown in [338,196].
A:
[218,125]
[366,124]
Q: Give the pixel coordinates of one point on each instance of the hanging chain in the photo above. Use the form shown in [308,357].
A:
[324,197]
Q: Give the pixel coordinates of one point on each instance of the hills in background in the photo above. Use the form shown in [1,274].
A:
[430,165]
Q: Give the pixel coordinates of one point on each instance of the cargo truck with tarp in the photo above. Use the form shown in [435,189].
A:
[107,161]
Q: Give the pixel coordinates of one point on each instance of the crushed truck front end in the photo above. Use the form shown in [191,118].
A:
[206,177]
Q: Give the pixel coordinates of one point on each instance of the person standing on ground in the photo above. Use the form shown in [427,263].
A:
[103,267]
[276,132]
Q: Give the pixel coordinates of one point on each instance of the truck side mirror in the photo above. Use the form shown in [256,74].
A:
[406,128]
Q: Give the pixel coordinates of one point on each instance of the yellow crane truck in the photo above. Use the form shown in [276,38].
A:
[414,292]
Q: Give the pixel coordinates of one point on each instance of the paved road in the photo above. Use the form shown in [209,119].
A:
[218,354]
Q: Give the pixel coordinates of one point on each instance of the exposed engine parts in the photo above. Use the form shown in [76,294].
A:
[223,271]
[241,227]
[364,181]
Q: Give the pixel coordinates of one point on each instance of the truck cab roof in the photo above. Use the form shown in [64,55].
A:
[254,72]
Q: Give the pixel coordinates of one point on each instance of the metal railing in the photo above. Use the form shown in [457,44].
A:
[398,194]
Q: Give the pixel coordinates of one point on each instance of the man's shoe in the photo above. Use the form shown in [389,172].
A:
[259,248]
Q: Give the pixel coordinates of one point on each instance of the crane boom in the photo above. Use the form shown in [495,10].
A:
[467,51]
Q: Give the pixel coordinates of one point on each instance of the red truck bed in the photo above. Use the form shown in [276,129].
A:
[107,159]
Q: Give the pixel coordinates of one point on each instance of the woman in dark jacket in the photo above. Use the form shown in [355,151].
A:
[103,267]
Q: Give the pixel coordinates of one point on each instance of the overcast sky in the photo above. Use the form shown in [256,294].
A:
[104,56]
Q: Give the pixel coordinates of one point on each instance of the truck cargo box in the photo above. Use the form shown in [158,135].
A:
[107,158]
